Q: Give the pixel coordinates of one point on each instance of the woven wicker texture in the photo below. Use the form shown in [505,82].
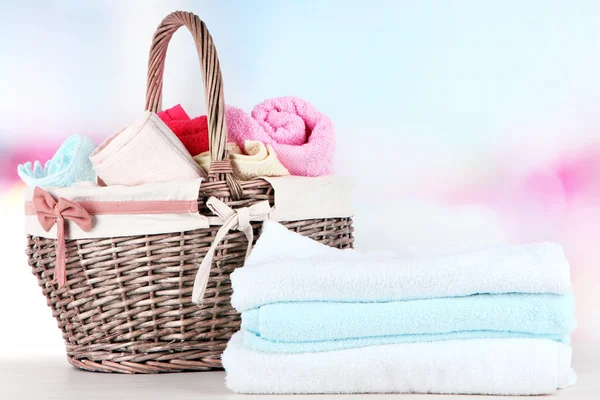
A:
[126,306]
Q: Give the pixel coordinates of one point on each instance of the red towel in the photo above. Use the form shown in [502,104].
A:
[193,133]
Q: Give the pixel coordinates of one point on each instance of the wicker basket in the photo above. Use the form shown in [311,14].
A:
[126,306]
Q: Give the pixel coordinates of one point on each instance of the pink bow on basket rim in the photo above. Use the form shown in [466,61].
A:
[50,212]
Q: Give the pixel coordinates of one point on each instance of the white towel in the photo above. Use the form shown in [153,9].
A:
[477,366]
[285,266]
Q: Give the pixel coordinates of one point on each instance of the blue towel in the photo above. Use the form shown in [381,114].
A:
[70,164]
[321,326]
[256,343]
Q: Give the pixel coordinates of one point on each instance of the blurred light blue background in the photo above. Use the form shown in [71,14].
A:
[449,81]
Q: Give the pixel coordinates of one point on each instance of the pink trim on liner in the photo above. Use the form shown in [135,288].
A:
[132,207]
[50,212]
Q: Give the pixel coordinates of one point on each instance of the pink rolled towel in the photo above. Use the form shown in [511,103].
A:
[301,135]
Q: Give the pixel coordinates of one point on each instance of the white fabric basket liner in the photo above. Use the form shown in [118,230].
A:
[296,198]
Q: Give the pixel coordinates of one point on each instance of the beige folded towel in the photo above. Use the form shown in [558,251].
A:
[259,160]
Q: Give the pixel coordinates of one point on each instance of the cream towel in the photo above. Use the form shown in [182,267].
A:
[259,160]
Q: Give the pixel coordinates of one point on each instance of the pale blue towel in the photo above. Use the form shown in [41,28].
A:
[256,343]
[70,164]
[320,326]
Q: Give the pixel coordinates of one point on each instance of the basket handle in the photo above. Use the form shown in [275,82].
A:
[213,88]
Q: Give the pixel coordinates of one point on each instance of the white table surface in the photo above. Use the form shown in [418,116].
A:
[52,377]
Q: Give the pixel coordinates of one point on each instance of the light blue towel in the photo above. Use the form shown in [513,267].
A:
[70,164]
[256,343]
[320,326]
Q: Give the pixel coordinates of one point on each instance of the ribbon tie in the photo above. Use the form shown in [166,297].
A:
[232,219]
[50,212]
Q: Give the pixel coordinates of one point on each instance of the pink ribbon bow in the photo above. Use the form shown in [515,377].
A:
[49,212]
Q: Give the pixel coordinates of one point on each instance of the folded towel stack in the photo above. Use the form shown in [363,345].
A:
[478,321]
